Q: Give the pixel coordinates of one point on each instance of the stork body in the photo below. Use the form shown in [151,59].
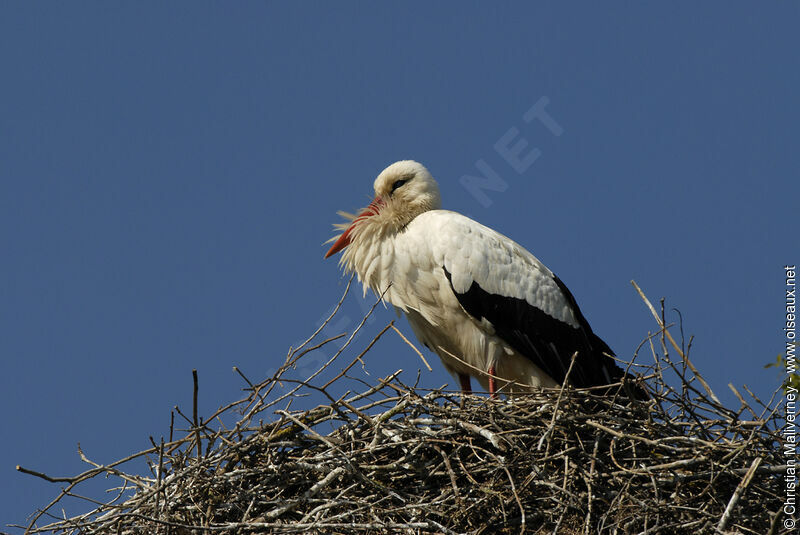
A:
[485,305]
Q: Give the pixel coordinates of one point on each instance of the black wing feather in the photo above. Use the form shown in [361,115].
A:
[546,341]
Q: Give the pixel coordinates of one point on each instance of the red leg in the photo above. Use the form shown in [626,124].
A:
[492,383]
[466,387]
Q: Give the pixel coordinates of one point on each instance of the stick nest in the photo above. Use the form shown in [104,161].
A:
[398,459]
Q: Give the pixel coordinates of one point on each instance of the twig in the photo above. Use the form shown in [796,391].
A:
[195,421]
[417,351]
[558,403]
[684,358]
[726,516]
[359,356]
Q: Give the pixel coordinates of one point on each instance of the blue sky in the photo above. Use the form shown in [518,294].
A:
[169,173]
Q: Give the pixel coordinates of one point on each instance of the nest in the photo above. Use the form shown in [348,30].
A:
[393,458]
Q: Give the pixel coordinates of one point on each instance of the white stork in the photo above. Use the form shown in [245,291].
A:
[485,305]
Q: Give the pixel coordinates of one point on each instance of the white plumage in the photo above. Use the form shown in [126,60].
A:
[485,305]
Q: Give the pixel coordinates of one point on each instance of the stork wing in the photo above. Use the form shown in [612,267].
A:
[497,281]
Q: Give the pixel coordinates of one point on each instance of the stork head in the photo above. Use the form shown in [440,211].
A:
[403,190]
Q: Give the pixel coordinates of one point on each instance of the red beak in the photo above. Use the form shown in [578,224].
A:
[344,240]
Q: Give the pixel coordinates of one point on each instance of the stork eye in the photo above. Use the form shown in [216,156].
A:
[398,183]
